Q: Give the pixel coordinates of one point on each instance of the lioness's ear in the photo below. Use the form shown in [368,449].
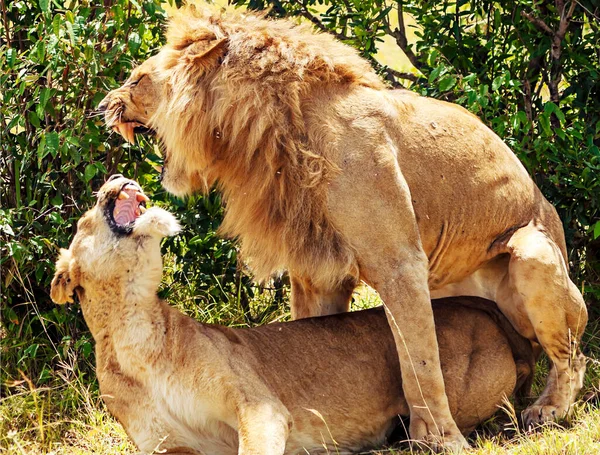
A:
[66,278]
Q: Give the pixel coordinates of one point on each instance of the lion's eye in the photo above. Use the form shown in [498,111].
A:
[136,82]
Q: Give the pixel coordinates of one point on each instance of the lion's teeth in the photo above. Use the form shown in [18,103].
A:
[121,127]
[142,209]
[140,197]
[123,195]
[130,134]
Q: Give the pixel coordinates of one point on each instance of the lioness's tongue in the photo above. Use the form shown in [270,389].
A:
[126,210]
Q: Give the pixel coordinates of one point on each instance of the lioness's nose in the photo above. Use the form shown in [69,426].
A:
[114,177]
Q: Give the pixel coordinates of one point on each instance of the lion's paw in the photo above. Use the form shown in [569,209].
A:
[537,415]
[449,442]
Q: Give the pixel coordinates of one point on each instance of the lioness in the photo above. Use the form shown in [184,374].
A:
[331,175]
[305,386]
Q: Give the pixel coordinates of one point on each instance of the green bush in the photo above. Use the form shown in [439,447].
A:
[501,60]
[58,60]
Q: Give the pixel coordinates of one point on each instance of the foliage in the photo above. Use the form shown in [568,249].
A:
[529,69]
[59,59]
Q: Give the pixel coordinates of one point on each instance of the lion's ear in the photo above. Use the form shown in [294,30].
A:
[207,53]
[66,278]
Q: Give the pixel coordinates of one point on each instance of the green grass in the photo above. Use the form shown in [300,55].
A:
[62,413]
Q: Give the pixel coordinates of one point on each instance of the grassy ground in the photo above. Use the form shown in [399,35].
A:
[67,416]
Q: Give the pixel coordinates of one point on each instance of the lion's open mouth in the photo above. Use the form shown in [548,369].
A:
[129,129]
[127,207]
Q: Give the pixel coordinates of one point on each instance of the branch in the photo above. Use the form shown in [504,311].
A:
[400,35]
[539,23]
[565,19]
[401,75]
[557,38]
[317,23]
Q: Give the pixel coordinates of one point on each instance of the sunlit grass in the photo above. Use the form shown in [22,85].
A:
[70,418]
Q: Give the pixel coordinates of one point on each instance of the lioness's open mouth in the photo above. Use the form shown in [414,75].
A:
[125,208]
[129,129]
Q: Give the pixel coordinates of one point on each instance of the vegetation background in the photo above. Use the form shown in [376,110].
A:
[530,69]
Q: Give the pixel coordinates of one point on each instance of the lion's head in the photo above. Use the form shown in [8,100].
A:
[117,240]
[226,87]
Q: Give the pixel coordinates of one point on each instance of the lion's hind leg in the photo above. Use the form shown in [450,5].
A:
[538,283]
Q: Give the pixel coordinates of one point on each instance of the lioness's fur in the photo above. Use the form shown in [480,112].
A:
[330,175]
[318,384]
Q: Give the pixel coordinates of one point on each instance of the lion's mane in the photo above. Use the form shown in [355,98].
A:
[234,117]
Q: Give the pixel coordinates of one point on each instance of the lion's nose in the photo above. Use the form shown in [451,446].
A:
[103,105]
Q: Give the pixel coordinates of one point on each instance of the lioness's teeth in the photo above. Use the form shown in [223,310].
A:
[123,195]
[140,197]
[142,209]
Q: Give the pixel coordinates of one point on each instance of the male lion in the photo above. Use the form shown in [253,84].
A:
[332,176]
[318,385]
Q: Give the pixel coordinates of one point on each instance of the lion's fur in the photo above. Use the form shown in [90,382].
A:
[179,386]
[259,154]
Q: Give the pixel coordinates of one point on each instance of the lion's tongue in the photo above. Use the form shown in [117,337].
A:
[126,210]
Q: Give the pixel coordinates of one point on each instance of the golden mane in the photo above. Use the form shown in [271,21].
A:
[233,116]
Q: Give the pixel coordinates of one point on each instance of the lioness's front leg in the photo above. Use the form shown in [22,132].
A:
[263,428]
[370,204]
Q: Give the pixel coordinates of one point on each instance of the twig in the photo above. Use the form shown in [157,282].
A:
[317,23]
[539,23]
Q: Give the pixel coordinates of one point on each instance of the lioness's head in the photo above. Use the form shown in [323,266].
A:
[117,245]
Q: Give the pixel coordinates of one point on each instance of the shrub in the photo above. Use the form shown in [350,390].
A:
[59,59]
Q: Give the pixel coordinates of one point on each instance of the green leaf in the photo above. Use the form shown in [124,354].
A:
[90,172]
[496,83]
[447,83]
[44,5]
[51,143]
[435,73]
[597,230]
[134,42]
[11,57]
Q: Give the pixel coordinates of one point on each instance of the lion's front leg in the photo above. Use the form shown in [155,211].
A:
[370,204]
[309,300]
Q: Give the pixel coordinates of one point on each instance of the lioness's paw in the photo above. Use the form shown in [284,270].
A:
[158,222]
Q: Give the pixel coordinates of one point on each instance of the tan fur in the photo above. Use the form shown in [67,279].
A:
[319,385]
[331,176]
